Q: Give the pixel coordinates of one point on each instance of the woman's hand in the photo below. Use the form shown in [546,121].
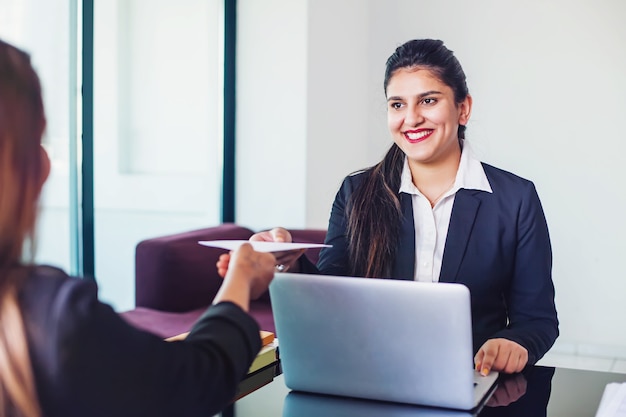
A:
[222,264]
[502,355]
[277,234]
[248,275]
[285,260]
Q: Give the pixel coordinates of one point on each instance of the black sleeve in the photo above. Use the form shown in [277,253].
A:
[108,368]
[335,260]
[532,312]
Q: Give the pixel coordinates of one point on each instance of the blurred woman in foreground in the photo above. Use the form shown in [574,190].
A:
[64,353]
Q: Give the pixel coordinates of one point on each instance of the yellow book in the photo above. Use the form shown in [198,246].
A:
[266,356]
[266,337]
[255,381]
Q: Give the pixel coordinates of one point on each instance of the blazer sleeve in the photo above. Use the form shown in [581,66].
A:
[104,364]
[334,260]
[529,299]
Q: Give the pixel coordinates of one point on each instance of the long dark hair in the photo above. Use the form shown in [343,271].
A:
[374,212]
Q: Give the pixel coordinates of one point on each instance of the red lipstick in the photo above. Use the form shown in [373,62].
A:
[417,135]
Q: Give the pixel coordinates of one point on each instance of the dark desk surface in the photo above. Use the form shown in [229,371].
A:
[539,391]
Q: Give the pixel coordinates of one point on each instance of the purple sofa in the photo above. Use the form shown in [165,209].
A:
[176,278]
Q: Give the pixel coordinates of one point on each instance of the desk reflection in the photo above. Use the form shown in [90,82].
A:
[524,394]
[299,404]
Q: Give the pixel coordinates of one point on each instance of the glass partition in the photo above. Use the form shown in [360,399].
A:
[47,30]
[157,128]
[157,125]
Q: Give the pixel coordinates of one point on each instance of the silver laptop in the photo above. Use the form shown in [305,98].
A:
[380,339]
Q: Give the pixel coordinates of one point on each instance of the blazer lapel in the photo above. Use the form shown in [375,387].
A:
[461,224]
[404,267]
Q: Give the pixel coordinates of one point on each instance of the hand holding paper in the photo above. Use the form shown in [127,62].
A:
[286,260]
[261,246]
[286,252]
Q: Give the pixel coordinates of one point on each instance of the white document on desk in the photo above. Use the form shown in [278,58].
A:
[613,402]
[261,246]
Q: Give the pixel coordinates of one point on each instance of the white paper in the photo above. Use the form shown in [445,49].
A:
[261,246]
[613,403]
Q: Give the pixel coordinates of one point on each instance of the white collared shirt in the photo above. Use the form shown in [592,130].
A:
[431,223]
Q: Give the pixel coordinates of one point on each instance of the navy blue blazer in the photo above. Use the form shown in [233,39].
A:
[497,245]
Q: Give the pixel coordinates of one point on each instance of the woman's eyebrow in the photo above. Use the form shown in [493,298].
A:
[422,95]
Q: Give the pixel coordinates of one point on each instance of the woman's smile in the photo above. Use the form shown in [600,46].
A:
[417,135]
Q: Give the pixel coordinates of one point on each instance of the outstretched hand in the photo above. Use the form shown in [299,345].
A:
[502,355]
[247,277]
[277,234]
[287,259]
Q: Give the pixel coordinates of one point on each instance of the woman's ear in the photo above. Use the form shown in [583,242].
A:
[465,110]
[45,165]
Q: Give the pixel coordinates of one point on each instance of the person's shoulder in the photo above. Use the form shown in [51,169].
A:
[47,291]
[357,177]
[359,174]
[51,274]
[351,182]
[50,279]
[498,177]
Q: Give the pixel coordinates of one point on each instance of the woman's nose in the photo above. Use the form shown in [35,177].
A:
[413,116]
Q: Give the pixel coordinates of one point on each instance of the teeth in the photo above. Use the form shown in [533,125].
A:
[418,135]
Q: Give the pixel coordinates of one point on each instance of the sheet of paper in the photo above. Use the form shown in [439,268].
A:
[261,246]
[613,403]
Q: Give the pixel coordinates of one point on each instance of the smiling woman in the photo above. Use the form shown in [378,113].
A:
[450,217]
[431,212]
[424,119]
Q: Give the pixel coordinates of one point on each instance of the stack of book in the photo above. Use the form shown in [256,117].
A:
[267,354]
[263,369]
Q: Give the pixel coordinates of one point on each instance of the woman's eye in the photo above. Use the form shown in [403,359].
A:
[429,101]
[396,106]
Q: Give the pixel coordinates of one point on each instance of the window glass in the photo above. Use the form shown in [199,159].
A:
[157,125]
[157,128]
[45,29]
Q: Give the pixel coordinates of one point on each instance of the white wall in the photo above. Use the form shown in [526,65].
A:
[337,132]
[548,86]
[271,113]
[300,125]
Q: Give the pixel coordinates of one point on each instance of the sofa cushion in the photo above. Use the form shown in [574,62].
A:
[162,323]
[167,324]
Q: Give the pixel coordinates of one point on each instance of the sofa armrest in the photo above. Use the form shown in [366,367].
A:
[175,273]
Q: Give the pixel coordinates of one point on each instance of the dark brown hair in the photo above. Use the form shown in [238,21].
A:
[374,212]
